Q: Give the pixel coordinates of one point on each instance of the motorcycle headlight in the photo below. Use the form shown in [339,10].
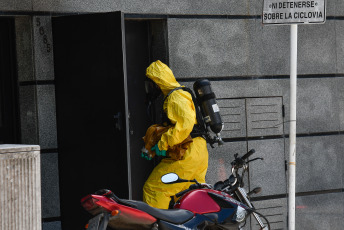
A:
[240,214]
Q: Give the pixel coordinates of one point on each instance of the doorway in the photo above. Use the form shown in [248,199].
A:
[91,107]
[100,63]
[145,42]
[9,117]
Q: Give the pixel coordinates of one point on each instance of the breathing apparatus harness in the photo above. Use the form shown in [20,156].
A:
[207,112]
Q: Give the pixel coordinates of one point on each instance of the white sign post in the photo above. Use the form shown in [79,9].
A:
[293,13]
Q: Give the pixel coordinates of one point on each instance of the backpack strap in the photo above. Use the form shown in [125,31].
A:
[199,129]
[181,87]
[164,119]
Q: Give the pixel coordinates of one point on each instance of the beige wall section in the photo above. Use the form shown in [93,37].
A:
[20,190]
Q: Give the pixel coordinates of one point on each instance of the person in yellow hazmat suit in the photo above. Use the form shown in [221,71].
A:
[180,110]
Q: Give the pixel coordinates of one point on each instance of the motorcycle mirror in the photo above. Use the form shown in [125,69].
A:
[171,178]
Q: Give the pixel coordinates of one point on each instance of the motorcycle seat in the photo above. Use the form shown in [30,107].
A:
[175,216]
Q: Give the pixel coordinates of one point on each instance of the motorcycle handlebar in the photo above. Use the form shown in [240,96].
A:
[179,194]
[248,154]
[192,187]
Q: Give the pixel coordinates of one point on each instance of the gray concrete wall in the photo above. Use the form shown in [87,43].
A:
[37,105]
[205,7]
[248,62]
[244,47]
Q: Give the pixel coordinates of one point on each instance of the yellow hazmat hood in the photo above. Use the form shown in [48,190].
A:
[162,75]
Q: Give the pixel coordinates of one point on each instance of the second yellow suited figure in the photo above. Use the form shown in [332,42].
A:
[181,113]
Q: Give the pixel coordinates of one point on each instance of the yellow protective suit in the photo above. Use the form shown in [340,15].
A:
[181,112]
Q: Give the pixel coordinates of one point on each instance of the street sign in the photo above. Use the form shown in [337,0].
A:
[294,12]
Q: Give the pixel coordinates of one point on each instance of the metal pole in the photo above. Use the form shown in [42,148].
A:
[292,131]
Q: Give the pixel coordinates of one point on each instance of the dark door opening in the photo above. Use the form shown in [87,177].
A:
[91,110]
[145,42]
[137,50]
[9,118]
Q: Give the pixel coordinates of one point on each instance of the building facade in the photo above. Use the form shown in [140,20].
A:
[57,57]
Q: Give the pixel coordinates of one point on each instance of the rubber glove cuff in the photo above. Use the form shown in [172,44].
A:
[158,151]
[145,156]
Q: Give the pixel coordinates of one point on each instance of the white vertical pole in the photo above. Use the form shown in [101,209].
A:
[292,131]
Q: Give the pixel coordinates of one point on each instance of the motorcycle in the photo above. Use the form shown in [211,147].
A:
[226,205]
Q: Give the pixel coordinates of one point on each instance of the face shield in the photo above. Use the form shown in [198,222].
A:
[152,90]
[152,93]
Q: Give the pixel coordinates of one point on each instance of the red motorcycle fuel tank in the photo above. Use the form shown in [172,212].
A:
[198,201]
